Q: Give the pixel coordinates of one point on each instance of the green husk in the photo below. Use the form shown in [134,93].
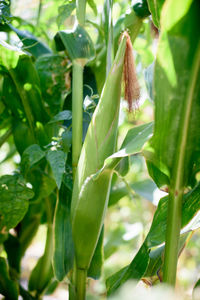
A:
[90,195]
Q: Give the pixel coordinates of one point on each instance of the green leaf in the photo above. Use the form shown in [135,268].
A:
[47,186]
[134,271]
[63,257]
[132,144]
[156,237]
[30,43]
[57,161]
[14,196]
[64,11]
[61,116]
[27,85]
[8,287]
[77,43]
[157,256]
[123,166]
[66,140]
[134,140]
[23,136]
[54,79]
[10,92]
[155,7]
[31,156]
[39,285]
[175,144]
[94,270]
[143,188]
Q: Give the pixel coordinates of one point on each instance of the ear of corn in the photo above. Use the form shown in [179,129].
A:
[90,195]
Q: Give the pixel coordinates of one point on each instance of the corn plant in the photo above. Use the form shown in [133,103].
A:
[64,85]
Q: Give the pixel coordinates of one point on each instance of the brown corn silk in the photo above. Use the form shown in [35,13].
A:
[131,85]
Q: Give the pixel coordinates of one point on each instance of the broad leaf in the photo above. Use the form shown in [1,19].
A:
[77,43]
[156,237]
[31,156]
[54,79]
[27,85]
[94,270]
[190,207]
[30,43]
[134,140]
[175,144]
[14,196]
[57,161]
[156,257]
[63,257]
[61,116]
[132,144]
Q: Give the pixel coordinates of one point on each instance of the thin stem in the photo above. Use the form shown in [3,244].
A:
[177,181]
[80,11]
[81,275]
[110,48]
[39,13]
[77,114]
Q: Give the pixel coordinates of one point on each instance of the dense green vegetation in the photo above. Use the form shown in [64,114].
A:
[82,155]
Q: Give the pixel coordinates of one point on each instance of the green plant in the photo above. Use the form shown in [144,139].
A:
[60,102]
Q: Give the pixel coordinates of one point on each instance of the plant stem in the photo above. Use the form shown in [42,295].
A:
[77,114]
[81,275]
[39,13]
[110,49]
[172,238]
[80,11]
[177,181]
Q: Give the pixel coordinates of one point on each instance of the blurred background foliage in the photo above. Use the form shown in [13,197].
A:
[134,195]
